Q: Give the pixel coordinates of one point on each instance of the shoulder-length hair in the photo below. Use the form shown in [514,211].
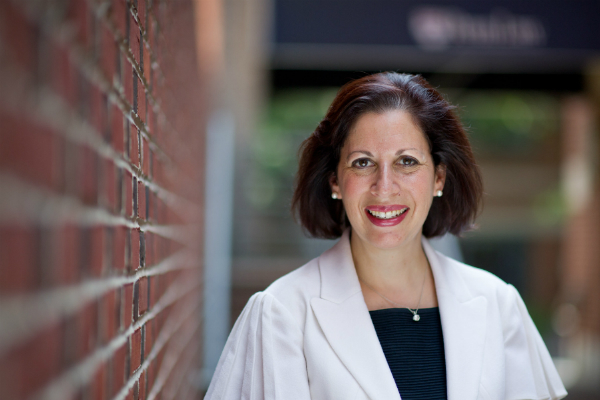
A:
[454,212]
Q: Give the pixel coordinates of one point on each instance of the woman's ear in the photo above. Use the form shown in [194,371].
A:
[440,177]
[335,188]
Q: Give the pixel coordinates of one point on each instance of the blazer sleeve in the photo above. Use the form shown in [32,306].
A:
[530,372]
[263,357]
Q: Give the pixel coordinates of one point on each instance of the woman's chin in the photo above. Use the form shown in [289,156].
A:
[384,240]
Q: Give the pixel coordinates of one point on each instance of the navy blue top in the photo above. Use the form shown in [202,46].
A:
[414,351]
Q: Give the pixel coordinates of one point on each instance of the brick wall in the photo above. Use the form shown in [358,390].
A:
[101,126]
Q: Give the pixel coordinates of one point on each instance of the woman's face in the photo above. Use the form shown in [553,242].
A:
[386,179]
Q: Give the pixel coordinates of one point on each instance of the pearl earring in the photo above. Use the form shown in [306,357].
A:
[439,193]
[334,195]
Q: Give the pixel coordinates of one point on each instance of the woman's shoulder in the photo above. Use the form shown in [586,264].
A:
[478,281]
[293,291]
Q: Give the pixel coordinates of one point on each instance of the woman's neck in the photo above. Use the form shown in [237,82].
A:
[396,273]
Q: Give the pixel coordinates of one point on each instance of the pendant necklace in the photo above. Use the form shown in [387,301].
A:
[416,317]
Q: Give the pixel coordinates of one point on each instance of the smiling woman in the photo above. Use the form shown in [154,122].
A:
[386,159]
[381,315]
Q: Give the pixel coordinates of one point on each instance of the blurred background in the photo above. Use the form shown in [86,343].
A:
[148,151]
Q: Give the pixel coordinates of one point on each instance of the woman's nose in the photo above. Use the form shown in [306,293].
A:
[385,184]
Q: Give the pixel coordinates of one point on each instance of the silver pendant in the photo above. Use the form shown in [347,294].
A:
[416,317]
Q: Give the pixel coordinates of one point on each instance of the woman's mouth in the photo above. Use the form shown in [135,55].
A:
[386,215]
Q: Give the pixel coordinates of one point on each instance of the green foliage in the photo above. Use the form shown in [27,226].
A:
[291,116]
[508,122]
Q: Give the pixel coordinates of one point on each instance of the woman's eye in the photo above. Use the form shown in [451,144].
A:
[408,162]
[362,163]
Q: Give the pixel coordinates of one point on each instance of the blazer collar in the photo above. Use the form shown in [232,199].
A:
[345,320]
[463,318]
[338,275]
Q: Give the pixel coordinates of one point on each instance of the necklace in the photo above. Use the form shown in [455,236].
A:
[416,317]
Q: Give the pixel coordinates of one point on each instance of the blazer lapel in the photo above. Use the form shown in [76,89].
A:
[346,323]
[463,324]
[344,318]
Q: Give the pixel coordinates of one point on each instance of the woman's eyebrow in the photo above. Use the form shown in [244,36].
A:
[368,153]
[403,150]
[359,151]
[421,154]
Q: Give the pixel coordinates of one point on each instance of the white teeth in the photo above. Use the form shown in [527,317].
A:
[388,214]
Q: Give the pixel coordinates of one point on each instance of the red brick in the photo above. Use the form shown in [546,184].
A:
[134,40]
[109,327]
[109,185]
[134,154]
[88,330]
[136,348]
[143,295]
[79,15]
[157,321]
[72,153]
[98,384]
[18,36]
[146,157]
[150,376]
[128,183]
[118,14]
[97,245]
[97,113]
[118,370]
[149,248]
[17,258]
[147,64]
[162,214]
[117,131]
[108,54]
[159,358]
[142,101]
[141,11]
[142,386]
[107,253]
[135,196]
[154,291]
[149,339]
[150,204]
[29,150]
[63,74]
[135,249]
[69,254]
[157,171]
[141,200]
[119,248]
[158,249]
[116,316]
[128,80]
[126,137]
[62,146]
[88,176]
[151,120]
[127,305]
[178,246]
[152,32]
[33,363]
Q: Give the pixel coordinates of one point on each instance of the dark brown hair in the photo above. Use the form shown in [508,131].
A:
[454,212]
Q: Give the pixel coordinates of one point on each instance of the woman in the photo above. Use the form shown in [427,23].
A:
[381,315]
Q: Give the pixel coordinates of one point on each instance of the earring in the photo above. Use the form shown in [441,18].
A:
[334,195]
[439,193]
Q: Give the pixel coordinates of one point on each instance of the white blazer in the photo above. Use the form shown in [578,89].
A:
[309,336]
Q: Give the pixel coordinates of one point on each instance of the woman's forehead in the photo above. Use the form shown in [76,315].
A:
[388,132]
